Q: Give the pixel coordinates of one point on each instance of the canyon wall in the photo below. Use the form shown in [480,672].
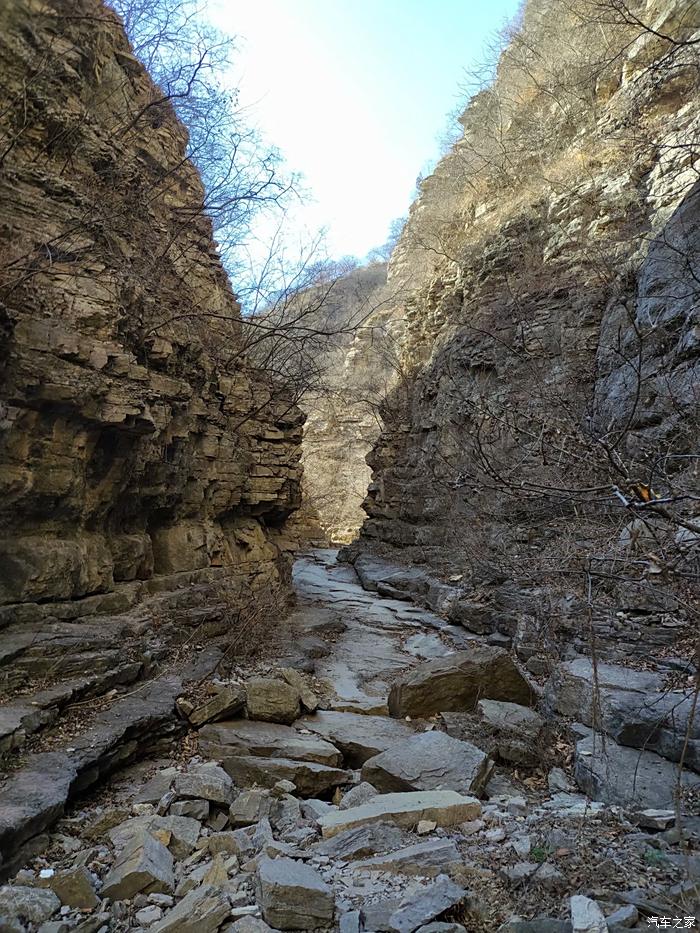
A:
[136,441]
[551,334]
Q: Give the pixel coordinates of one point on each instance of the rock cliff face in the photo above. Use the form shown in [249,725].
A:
[136,440]
[342,424]
[551,333]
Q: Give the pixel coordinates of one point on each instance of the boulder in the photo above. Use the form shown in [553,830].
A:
[293,896]
[627,777]
[267,740]
[226,702]
[146,865]
[444,807]
[272,700]
[458,682]
[359,737]
[310,779]
[203,910]
[429,761]
[205,781]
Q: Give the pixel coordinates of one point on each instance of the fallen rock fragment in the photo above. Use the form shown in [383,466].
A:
[358,736]
[586,915]
[26,904]
[425,858]
[458,682]
[146,865]
[203,910]
[444,807]
[429,761]
[310,779]
[266,740]
[434,901]
[74,888]
[272,700]
[205,781]
[226,702]
[627,777]
[361,842]
[293,896]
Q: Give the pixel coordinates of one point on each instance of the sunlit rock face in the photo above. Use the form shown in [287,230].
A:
[135,439]
[561,226]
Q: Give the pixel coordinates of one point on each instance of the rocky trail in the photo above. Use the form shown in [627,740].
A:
[388,772]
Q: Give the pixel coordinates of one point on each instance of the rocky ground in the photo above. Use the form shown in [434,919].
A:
[389,772]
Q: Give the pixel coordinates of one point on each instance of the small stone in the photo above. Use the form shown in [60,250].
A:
[349,922]
[586,915]
[248,925]
[149,915]
[283,787]
[310,779]
[309,700]
[250,807]
[429,761]
[358,795]
[236,842]
[153,790]
[471,827]
[517,806]
[425,826]
[161,900]
[558,782]
[655,819]
[194,809]
[626,916]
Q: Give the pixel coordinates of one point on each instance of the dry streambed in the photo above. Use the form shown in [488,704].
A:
[392,773]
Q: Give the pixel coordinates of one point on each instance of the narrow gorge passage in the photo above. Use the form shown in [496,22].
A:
[381,637]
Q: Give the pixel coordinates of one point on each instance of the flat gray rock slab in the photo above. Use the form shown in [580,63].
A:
[359,737]
[444,807]
[429,761]
[458,682]
[425,858]
[627,777]
[310,779]
[266,740]
[435,900]
[293,896]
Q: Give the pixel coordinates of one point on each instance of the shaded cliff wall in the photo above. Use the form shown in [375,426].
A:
[135,439]
[551,334]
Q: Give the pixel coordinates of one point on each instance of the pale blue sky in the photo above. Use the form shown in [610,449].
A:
[355,94]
